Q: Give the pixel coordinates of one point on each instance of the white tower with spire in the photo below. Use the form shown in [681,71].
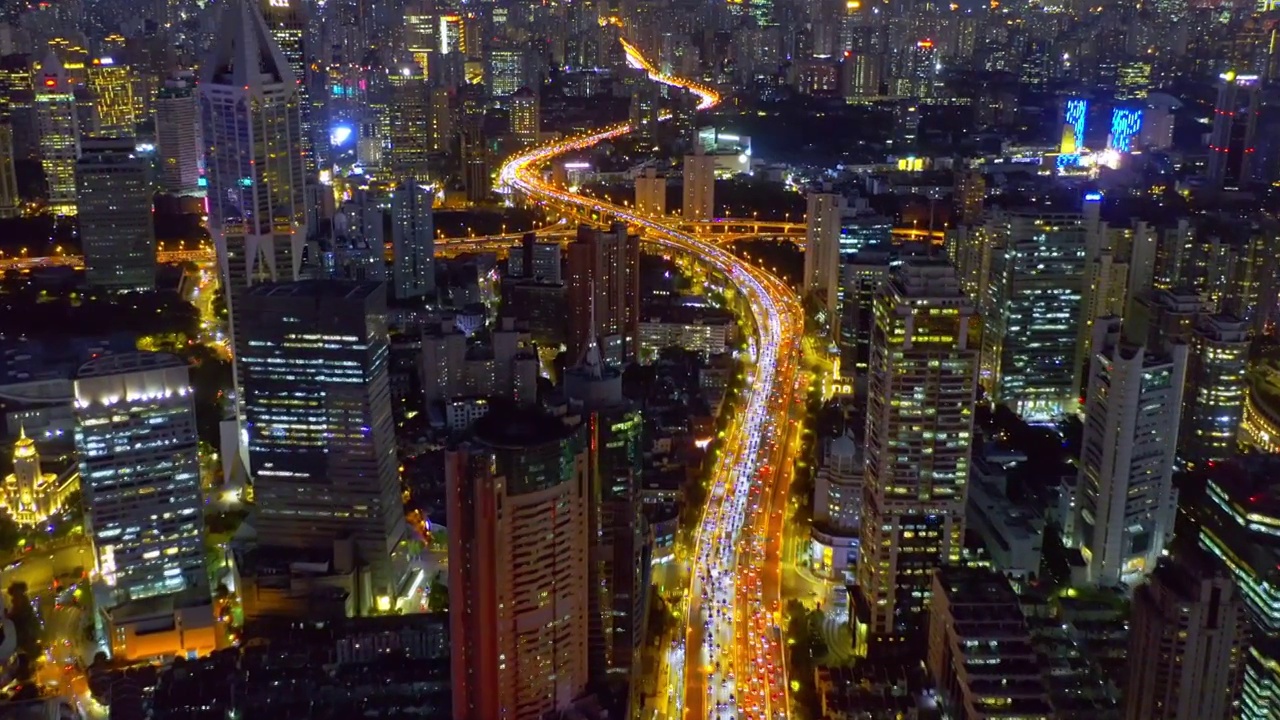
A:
[252,124]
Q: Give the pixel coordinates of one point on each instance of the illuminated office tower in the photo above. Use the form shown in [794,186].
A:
[526,116]
[518,518]
[178,137]
[922,68]
[1216,388]
[407,131]
[604,286]
[1186,632]
[1235,124]
[506,72]
[646,107]
[1127,499]
[1031,304]
[823,218]
[318,416]
[921,388]
[286,21]
[117,230]
[111,86]
[651,193]
[420,35]
[699,187]
[441,120]
[413,241]
[10,202]
[140,473]
[59,131]
[1133,80]
[253,158]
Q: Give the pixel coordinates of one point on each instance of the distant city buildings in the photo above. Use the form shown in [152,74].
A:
[699,187]
[604,293]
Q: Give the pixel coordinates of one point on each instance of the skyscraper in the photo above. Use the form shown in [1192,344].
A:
[59,131]
[111,87]
[516,494]
[286,21]
[117,230]
[318,416]
[1035,263]
[1127,498]
[822,250]
[922,383]
[1185,643]
[140,473]
[9,200]
[1216,388]
[250,117]
[506,71]
[413,241]
[699,187]
[525,116]
[651,193]
[604,284]
[1235,125]
[178,137]
[407,125]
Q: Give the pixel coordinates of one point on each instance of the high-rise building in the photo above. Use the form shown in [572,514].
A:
[651,193]
[506,72]
[1235,125]
[318,417]
[140,474]
[178,137]
[699,187]
[526,116]
[921,389]
[1186,636]
[1216,389]
[58,127]
[286,21]
[822,249]
[111,87]
[618,572]
[518,518]
[9,200]
[407,130]
[981,657]
[1127,499]
[117,230]
[250,117]
[646,107]
[1035,263]
[413,241]
[604,285]
[442,125]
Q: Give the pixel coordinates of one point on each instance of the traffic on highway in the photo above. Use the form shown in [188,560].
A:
[730,661]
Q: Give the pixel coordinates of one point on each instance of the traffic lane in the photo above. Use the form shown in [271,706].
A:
[39,567]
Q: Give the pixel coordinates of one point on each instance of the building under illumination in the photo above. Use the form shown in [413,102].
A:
[178,137]
[1235,124]
[699,187]
[59,130]
[10,201]
[413,242]
[30,496]
[1216,387]
[1127,499]
[921,388]
[525,116]
[519,543]
[250,115]
[111,86]
[1036,270]
[318,417]
[824,220]
[407,132]
[140,474]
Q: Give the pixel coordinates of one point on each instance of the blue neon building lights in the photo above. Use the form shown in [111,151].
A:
[1125,124]
[1077,111]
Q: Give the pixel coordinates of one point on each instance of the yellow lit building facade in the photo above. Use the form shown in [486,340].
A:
[111,84]
[30,495]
